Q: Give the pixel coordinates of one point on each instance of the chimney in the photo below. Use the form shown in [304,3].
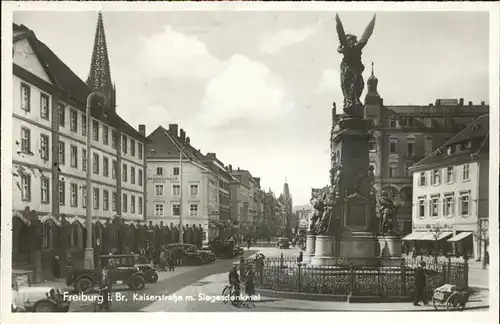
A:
[188,140]
[461,101]
[182,135]
[230,168]
[142,130]
[381,102]
[470,103]
[238,168]
[211,155]
[172,128]
[482,103]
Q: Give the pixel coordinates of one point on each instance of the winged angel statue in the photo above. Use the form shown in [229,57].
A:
[351,77]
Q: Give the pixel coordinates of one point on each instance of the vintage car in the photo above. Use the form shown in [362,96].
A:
[190,255]
[132,260]
[222,248]
[37,299]
[83,280]
[283,243]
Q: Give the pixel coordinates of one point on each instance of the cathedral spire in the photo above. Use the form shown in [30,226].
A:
[100,76]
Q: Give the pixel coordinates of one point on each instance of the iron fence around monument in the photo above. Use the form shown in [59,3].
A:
[287,275]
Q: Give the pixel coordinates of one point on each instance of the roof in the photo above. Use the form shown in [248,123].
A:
[67,81]
[477,132]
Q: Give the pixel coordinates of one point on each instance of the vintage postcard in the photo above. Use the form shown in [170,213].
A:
[250,157]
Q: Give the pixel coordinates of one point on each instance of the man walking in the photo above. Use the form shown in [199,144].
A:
[420,278]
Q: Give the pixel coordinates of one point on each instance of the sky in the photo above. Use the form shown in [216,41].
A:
[257,87]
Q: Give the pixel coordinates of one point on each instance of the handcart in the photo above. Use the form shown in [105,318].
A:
[449,297]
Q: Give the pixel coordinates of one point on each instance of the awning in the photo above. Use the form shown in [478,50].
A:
[413,236]
[459,236]
[425,236]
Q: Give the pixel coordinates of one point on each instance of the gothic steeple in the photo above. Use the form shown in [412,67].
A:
[100,76]
[372,96]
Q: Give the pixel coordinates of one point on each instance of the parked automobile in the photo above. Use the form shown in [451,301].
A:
[283,243]
[37,299]
[132,260]
[222,248]
[83,280]
[190,255]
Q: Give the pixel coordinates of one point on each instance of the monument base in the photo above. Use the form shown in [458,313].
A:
[390,251]
[358,248]
[323,254]
[310,248]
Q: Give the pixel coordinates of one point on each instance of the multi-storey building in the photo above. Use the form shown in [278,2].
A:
[50,160]
[403,135]
[450,193]
[240,198]
[179,183]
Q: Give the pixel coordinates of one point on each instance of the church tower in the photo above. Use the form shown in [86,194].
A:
[99,78]
[373,102]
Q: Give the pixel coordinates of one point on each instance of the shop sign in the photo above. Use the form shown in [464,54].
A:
[169,178]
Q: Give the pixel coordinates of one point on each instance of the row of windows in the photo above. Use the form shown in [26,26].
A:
[449,175]
[159,171]
[436,205]
[176,209]
[176,190]
[412,121]
[74,195]
[410,146]
[97,131]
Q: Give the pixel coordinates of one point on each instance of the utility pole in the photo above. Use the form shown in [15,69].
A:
[89,249]
[181,210]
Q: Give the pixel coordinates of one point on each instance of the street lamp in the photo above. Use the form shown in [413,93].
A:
[181,225]
[436,232]
[89,250]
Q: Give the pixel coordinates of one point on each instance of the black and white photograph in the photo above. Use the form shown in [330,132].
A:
[239,158]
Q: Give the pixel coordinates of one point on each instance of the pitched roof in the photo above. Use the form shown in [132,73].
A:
[66,80]
[477,132]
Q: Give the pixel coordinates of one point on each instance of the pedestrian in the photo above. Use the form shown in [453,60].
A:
[106,288]
[300,258]
[249,281]
[163,261]
[56,267]
[249,243]
[420,279]
[170,260]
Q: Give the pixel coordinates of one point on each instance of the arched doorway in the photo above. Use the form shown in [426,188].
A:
[21,233]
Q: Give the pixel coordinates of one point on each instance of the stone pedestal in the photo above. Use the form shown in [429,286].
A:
[310,248]
[323,254]
[358,248]
[389,251]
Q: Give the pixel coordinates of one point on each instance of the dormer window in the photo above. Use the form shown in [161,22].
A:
[393,123]
[468,144]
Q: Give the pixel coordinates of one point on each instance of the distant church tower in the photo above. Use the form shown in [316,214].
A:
[100,76]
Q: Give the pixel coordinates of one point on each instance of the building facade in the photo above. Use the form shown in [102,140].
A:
[450,193]
[240,199]
[403,135]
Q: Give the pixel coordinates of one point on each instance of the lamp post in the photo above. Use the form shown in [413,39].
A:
[89,250]
[436,232]
[181,225]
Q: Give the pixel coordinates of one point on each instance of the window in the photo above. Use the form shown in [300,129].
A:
[428,121]
[95,130]
[193,190]
[407,169]
[124,145]
[448,205]
[422,180]
[73,120]
[105,200]
[44,147]
[125,173]
[428,146]
[132,175]
[44,185]
[25,187]
[139,150]
[176,190]
[44,106]
[158,209]
[84,197]
[159,190]
[139,206]
[393,146]
[372,144]
[436,177]
[73,151]
[132,147]
[176,209]
[410,121]
[159,171]
[421,207]
[62,114]
[105,134]
[434,212]
[114,197]
[95,164]
[464,204]
[450,172]
[132,204]
[95,194]
[140,177]
[125,203]
[74,195]
[105,166]
[113,169]
[410,144]
[113,139]
[176,171]
[25,97]
[193,210]
[84,125]
[465,172]
[84,159]
[393,170]
[393,123]
[62,191]
[25,140]
[62,155]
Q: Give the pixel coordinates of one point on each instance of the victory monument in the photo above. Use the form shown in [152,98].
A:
[348,221]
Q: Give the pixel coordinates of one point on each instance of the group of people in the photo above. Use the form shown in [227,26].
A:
[248,279]
[167,258]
